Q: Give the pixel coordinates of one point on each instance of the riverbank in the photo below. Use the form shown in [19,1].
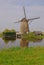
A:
[1,34]
[32,37]
[22,56]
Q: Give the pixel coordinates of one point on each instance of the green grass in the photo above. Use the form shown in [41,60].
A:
[22,56]
[31,36]
[1,35]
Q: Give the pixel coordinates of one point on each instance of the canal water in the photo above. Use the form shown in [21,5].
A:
[20,43]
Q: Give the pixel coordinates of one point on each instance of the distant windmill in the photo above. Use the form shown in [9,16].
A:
[24,27]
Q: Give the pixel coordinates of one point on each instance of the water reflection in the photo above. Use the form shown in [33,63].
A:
[21,43]
[7,40]
[24,43]
[37,40]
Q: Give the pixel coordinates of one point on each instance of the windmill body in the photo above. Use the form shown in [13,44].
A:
[24,26]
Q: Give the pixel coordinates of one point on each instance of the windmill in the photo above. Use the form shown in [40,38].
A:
[24,27]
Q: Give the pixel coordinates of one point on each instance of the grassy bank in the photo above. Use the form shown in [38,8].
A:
[22,56]
[31,36]
[1,35]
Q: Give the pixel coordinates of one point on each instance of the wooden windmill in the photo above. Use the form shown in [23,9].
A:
[24,27]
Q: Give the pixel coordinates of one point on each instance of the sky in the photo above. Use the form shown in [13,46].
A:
[12,11]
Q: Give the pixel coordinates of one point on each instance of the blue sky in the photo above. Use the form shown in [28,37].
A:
[12,11]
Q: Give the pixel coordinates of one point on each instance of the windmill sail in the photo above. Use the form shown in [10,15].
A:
[24,12]
[33,18]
